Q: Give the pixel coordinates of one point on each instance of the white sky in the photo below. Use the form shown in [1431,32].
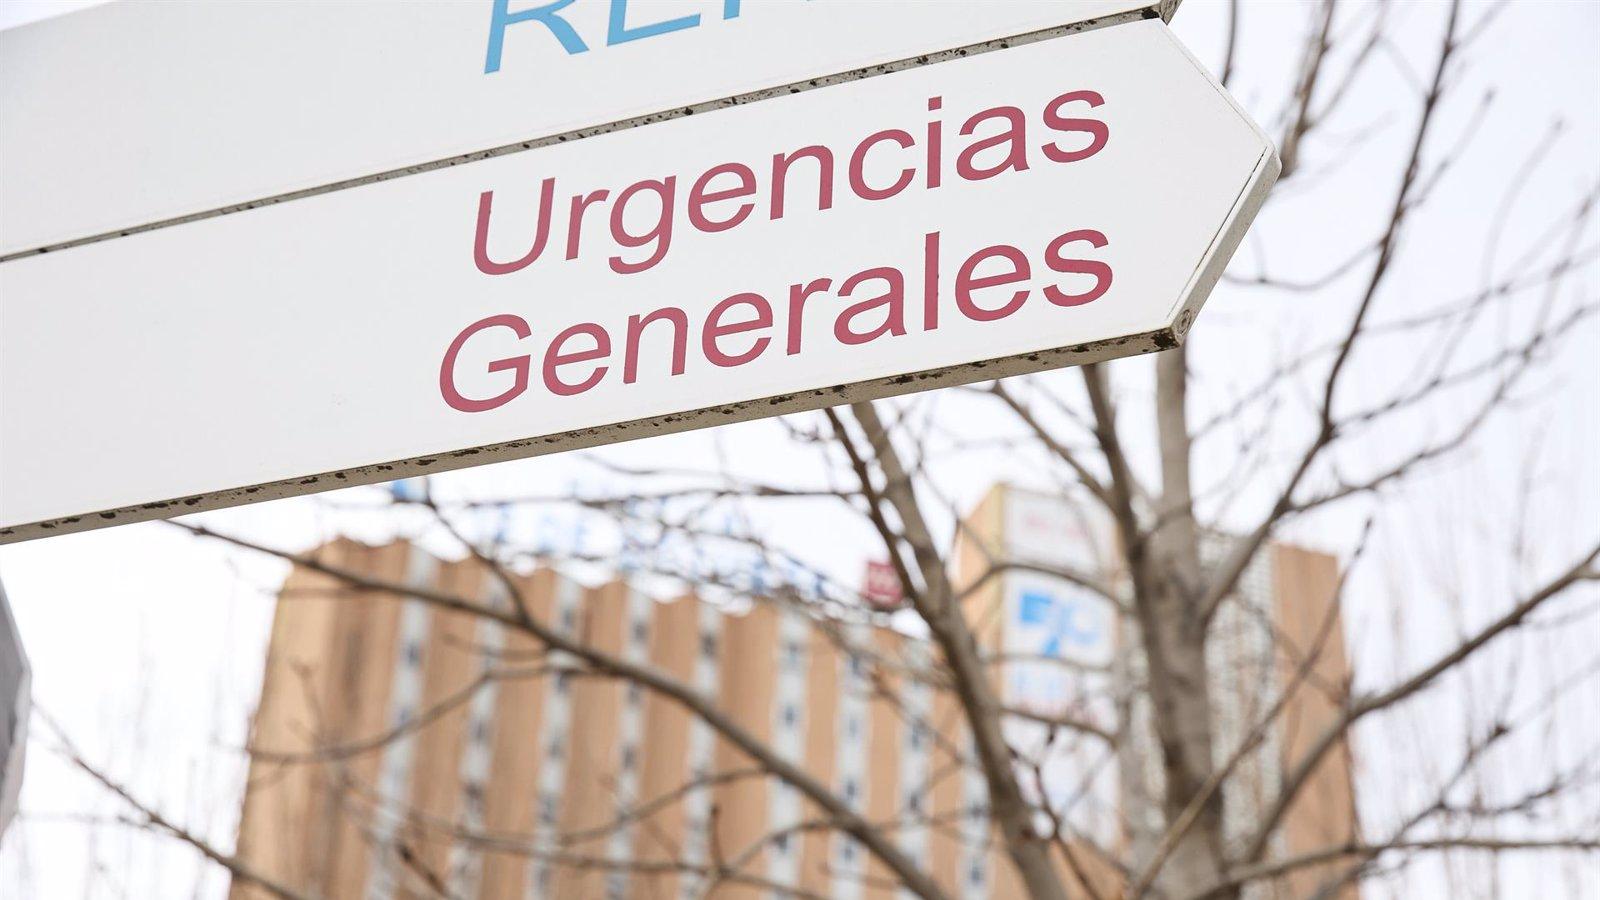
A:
[147,644]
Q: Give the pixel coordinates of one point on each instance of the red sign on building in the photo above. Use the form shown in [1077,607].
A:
[880,586]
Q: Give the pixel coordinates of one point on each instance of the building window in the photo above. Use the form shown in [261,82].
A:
[791,715]
[708,645]
[412,653]
[641,630]
[630,756]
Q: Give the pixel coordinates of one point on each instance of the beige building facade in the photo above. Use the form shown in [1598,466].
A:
[405,749]
[401,745]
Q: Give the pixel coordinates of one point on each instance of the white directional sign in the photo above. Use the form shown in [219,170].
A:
[1054,203]
[145,111]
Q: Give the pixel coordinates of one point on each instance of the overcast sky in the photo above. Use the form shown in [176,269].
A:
[147,644]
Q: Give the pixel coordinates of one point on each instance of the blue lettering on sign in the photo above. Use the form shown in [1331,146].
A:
[546,14]
[1061,620]
[618,31]
[1035,607]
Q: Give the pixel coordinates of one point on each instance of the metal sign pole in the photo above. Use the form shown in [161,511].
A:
[15,705]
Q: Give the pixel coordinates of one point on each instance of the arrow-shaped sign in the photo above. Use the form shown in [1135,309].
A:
[1056,203]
